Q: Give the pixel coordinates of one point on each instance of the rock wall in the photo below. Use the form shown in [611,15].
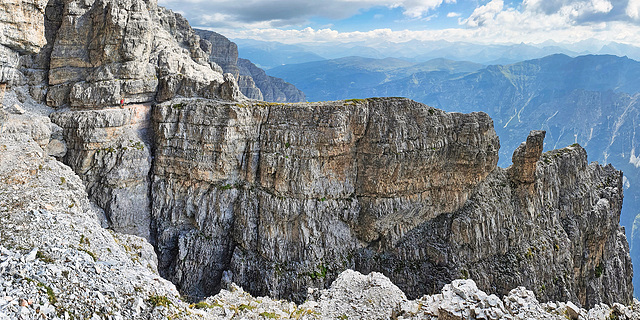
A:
[56,261]
[108,51]
[278,197]
[22,25]
[221,51]
[110,150]
[281,197]
[22,33]
[105,51]
[539,234]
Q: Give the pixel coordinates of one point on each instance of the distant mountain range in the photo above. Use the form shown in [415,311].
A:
[592,100]
[354,77]
[269,55]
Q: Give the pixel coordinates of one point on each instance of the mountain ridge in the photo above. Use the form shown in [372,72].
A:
[276,197]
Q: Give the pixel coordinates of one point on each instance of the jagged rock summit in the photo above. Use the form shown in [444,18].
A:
[275,197]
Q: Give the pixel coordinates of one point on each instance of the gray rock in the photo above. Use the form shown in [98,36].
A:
[389,185]
[109,149]
[337,204]
[137,52]
[276,197]
[248,88]
[221,51]
[356,296]
[15,109]
[22,25]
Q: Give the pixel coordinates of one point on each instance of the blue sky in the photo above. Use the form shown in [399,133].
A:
[480,21]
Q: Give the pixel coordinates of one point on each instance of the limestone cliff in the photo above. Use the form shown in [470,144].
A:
[283,196]
[279,197]
[105,51]
[134,51]
[56,262]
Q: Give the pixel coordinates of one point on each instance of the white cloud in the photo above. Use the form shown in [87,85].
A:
[419,8]
[533,21]
[484,13]
[291,12]
[603,6]
[633,9]
[506,27]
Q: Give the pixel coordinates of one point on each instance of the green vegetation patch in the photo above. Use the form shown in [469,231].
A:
[269,315]
[50,294]
[321,274]
[45,258]
[93,255]
[160,301]
[204,305]
[599,270]
[243,307]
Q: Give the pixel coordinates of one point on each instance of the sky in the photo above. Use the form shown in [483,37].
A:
[477,21]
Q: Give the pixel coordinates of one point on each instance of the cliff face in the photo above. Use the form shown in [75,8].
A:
[284,195]
[105,51]
[109,149]
[279,197]
[287,196]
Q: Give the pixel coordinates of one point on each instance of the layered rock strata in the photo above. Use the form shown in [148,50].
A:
[280,197]
[111,151]
[133,51]
[56,262]
[105,51]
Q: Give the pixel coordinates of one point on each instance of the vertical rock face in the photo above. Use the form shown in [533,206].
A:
[281,197]
[539,234]
[248,88]
[109,150]
[22,32]
[107,50]
[284,196]
[525,158]
[221,51]
[22,25]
